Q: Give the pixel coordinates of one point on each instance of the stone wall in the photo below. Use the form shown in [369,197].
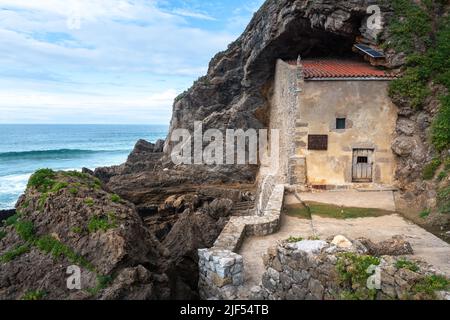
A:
[221,269]
[308,270]
[283,114]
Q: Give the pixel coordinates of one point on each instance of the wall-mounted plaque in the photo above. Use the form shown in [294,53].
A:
[317,142]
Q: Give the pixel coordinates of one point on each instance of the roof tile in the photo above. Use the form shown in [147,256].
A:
[334,68]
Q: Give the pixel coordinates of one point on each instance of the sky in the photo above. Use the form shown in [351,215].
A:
[108,61]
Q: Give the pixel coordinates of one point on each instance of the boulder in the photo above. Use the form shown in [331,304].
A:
[403,146]
[396,246]
[342,242]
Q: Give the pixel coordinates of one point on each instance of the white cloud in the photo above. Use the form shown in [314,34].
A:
[123,54]
[193,14]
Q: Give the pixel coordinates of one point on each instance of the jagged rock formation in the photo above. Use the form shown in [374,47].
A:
[66,219]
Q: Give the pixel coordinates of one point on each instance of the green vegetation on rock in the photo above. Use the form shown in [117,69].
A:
[444,200]
[42,180]
[34,295]
[353,273]
[102,223]
[57,249]
[430,169]
[89,202]
[25,229]
[12,220]
[431,284]
[406,264]
[103,281]
[59,186]
[294,239]
[14,253]
[115,198]
[425,213]
[424,35]
[2,234]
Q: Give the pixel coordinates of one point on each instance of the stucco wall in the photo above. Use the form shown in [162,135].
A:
[371,119]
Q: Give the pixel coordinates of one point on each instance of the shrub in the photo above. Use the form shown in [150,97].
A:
[294,239]
[444,199]
[25,229]
[425,213]
[89,202]
[101,224]
[2,234]
[353,274]
[42,200]
[406,264]
[42,180]
[77,230]
[430,284]
[14,253]
[103,281]
[59,186]
[12,220]
[430,169]
[115,198]
[440,129]
[73,191]
[52,246]
[442,175]
[34,295]
[77,174]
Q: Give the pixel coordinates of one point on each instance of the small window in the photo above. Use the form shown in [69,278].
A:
[341,123]
[317,142]
[363,160]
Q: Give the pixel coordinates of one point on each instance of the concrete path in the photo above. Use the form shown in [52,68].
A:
[254,248]
[349,198]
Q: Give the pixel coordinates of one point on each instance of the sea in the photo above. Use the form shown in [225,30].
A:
[26,148]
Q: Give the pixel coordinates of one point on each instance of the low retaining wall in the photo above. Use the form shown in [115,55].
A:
[221,268]
[318,270]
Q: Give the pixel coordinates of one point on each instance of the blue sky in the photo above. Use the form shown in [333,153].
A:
[108,61]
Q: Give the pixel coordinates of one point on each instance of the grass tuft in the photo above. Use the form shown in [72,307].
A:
[14,253]
[294,239]
[42,180]
[406,264]
[34,295]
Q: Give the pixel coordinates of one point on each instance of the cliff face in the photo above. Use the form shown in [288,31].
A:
[234,92]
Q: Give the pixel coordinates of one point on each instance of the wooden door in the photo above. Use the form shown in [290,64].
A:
[362,165]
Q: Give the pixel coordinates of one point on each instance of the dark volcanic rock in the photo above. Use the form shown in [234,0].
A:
[191,232]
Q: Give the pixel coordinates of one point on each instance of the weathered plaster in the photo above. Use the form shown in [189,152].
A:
[371,120]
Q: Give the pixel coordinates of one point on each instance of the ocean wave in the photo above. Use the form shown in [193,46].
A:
[48,154]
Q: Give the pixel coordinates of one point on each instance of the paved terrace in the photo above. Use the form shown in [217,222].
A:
[426,246]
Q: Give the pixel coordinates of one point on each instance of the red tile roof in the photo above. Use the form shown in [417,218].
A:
[334,68]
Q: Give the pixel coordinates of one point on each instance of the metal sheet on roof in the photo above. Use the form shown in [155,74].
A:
[368,50]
